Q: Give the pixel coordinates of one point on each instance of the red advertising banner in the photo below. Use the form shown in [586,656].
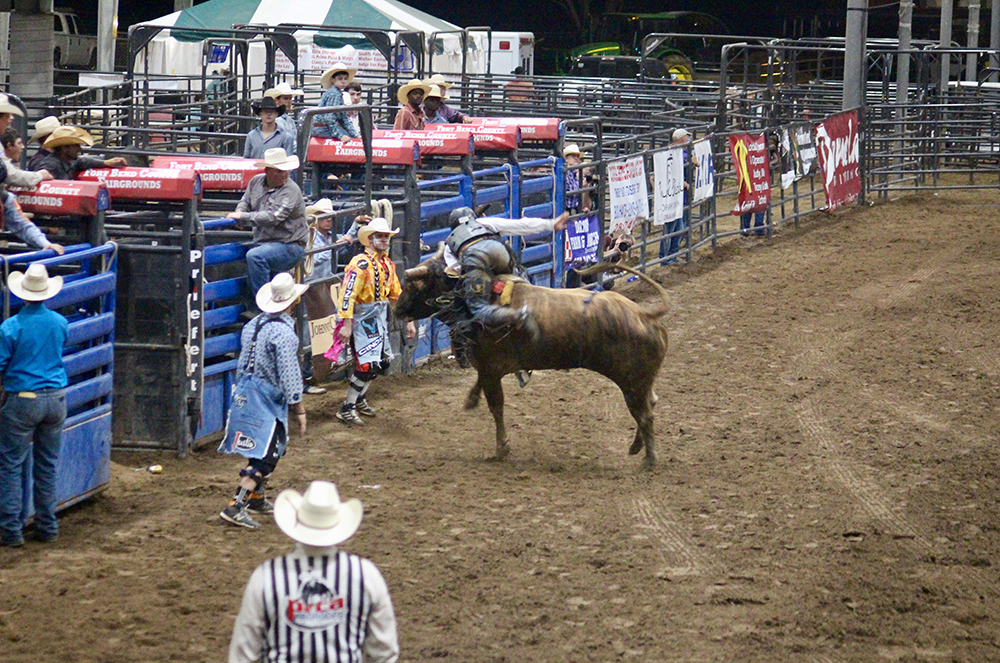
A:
[146,183]
[753,171]
[838,144]
[63,198]
[216,174]
[433,142]
[532,128]
[502,138]
[385,151]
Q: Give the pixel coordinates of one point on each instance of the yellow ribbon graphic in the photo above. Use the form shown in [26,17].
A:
[741,152]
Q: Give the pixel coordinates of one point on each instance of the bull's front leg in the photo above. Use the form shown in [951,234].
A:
[472,398]
[493,389]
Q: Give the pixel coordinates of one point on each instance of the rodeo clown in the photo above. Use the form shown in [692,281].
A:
[268,381]
[370,287]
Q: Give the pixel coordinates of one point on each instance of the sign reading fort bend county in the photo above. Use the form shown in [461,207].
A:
[500,138]
[63,198]
[433,142]
[216,174]
[532,128]
[385,151]
[629,197]
[753,171]
[146,183]
[837,142]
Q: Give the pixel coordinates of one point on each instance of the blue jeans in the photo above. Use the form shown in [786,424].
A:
[264,260]
[671,246]
[758,223]
[28,424]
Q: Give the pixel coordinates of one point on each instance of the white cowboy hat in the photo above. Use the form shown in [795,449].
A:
[326,80]
[438,79]
[376,225]
[283,90]
[317,518]
[276,157]
[35,284]
[572,148]
[434,91]
[321,206]
[415,84]
[280,293]
[44,127]
[7,107]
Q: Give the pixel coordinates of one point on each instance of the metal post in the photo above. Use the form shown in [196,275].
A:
[994,38]
[107,32]
[973,40]
[947,9]
[854,56]
[903,59]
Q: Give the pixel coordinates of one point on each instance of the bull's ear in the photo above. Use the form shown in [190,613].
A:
[417,272]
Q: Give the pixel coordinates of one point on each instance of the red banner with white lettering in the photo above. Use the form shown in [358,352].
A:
[753,172]
[432,142]
[838,143]
[63,198]
[216,174]
[532,128]
[146,183]
[503,138]
[385,151]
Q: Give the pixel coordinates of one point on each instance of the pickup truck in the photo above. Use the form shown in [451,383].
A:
[72,49]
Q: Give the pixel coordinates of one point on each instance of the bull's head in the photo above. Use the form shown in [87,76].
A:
[426,289]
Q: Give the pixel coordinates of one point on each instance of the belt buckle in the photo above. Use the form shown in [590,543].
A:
[27,394]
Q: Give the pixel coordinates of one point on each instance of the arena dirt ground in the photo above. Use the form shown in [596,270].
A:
[827,489]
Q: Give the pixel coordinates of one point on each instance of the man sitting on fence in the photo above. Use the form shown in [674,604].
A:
[65,161]
[270,133]
[14,221]
[283,94]
[273,206]
[335,124]
[43,129]
[13,148]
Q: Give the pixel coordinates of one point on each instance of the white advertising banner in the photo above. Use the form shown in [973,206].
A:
[704,171]
[668,176]
[629,196]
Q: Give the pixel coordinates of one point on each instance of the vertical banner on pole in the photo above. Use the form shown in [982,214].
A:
[704,171]
[838,144]
[629,196]
[753,171]
[668,176]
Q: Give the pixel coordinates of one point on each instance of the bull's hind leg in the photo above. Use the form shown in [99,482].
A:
[640,405]
[494,398]
[472,398]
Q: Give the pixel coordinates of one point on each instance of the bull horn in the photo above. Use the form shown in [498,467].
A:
[416,272]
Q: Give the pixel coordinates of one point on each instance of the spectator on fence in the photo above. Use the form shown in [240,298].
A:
[284,95]
[519,88]
[336,124]
[7,112]
[411,114]
[33,412]
[273,206]
[353,92]
[297,608]
[370,286]
[432,106]
[576,178]
[13,149]
[671,246]
[269,134]
[43,129]
[268,382]
[451,115]
[65,160]
[16,223]
[319,215]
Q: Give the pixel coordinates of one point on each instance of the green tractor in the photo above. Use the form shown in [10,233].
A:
[622,34]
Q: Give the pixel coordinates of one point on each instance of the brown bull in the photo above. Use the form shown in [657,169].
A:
[604,332]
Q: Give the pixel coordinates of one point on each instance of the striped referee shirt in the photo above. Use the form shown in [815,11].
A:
[315,604]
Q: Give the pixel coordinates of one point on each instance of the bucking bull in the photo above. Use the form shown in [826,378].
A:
[600,331]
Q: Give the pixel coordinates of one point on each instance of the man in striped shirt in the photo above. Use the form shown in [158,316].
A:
[316,603]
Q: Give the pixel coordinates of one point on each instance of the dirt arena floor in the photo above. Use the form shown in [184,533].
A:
[827,489]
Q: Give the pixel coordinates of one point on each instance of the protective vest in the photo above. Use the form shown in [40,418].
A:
[466,232]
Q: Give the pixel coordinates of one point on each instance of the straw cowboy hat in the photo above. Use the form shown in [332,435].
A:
[317,518]
[35,284]
[572,148]
[415,84]
[267,103]
[438,79]
[279,294]
[376,225]
[66,135]
[44,127]
[283,90]
[326,80]
[7,107]
[276,157]
[320,207]
[434,91]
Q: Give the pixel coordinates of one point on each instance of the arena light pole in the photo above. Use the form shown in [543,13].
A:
[972,41]
[107,32]
[903,57]
[854,55]
[947,10]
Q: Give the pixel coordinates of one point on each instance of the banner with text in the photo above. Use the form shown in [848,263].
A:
[837,142]
[583,236]
[629,196]
[668,178]
[753,172]
[704,171]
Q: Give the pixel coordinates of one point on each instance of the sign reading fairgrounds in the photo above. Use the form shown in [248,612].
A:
[837,141]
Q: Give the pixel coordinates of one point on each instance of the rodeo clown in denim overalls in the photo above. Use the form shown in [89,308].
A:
[370,287]
[268,381]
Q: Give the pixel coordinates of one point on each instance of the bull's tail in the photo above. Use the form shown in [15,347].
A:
[656,311]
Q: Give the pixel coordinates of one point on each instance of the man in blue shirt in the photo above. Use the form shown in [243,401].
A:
[34,407]
[270,133]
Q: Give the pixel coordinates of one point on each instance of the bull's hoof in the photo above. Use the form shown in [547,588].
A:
[648,462]
[502,453]
[635,448]
[472,400]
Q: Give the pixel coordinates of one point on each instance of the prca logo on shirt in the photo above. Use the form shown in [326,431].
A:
[315,607]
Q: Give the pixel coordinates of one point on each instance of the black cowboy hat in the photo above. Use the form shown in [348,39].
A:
[267,103]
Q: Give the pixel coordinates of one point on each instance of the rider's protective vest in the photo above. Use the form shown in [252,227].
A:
[466,232]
